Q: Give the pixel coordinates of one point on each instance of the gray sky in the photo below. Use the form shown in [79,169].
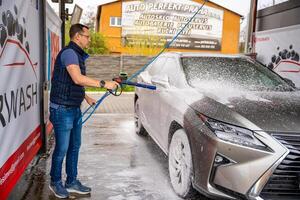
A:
[239,6]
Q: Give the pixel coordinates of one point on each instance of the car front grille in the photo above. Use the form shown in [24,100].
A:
[284,183]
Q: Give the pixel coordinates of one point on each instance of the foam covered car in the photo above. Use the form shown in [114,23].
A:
[229,125]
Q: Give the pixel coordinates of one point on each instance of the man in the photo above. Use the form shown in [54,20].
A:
[66,96]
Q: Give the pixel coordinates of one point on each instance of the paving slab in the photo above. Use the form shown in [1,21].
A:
[114,161]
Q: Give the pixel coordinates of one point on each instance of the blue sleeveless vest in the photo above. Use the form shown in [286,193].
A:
[63,89]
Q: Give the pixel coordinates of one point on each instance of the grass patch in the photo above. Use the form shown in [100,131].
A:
[94,89]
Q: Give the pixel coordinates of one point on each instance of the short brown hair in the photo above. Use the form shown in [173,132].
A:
[76,28]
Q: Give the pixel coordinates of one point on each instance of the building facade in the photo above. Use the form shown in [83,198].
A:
[132,27]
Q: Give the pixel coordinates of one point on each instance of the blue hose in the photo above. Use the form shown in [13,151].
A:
[150,87]
[140,70]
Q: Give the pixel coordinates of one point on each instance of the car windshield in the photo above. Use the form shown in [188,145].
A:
[234,72]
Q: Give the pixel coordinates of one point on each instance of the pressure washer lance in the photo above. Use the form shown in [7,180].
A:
[142,69]
[122,79]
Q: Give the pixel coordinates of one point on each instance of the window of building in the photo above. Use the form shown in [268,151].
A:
[268,3]
[115,21]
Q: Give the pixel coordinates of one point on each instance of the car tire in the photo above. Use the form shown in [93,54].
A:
[180,165]
[139,128]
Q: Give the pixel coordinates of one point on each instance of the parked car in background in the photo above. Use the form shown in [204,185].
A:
[229,125]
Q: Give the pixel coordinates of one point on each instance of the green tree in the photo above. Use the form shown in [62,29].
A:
[97,44]
[67,29]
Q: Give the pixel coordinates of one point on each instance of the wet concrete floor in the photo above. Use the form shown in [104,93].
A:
[114,161]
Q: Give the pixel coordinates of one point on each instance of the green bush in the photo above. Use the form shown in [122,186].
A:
[67,29]
[94,89]
[97,44]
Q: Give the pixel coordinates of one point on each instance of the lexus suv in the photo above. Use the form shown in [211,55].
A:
[229,125]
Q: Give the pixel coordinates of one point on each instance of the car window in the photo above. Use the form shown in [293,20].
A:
[233,72]
[156,66]
[171,70]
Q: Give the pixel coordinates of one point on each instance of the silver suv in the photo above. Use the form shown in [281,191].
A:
[229,125]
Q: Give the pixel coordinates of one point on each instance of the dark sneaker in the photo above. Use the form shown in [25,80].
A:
[59,190]
[78,188]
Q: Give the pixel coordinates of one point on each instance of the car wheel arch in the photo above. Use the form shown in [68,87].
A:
[174,126]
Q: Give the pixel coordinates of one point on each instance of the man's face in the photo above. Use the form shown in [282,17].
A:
[84,38]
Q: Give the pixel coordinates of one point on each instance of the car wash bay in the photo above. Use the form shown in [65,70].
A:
[114,161]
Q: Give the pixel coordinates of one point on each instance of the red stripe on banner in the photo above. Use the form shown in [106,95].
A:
[290,61]
[22,49]
[14,167]
[49,127]
[287,61]
[21,64]
[291,71]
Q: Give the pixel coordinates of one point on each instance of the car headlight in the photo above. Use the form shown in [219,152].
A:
[233,134]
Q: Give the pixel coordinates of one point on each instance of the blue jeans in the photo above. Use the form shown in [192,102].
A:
[67,141]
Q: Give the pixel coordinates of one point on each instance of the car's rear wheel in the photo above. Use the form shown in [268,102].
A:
[139,128]
[180,164]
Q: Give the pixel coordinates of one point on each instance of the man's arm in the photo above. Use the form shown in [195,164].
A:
[80,79]
[89,100]
[83,80]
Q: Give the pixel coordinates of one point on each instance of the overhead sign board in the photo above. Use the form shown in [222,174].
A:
[165,18]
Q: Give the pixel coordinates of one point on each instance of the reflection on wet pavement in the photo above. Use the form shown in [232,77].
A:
[115,162]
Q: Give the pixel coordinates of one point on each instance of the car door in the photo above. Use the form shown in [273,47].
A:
[167,99]
[149,109]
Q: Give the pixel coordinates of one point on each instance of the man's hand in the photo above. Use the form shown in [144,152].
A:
[111,85]
[90,100]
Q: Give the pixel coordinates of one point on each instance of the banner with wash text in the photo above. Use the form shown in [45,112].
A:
[20,133]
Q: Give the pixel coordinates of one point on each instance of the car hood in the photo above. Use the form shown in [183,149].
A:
[268,111]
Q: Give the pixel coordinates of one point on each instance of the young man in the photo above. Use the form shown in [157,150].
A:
[66,96]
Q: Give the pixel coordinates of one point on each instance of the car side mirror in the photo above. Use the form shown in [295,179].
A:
[160,80]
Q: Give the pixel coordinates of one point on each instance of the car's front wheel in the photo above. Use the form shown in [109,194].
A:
[139,128]
[180,164]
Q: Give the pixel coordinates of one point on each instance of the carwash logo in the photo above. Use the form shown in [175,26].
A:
[15,53]
[287,64]
[13,39]
[289,56]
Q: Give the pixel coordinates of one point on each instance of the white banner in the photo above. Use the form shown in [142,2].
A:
[53,24]
[279,50]
[165,18]
[19,88]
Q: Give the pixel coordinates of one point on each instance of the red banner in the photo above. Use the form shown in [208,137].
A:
[14,167]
